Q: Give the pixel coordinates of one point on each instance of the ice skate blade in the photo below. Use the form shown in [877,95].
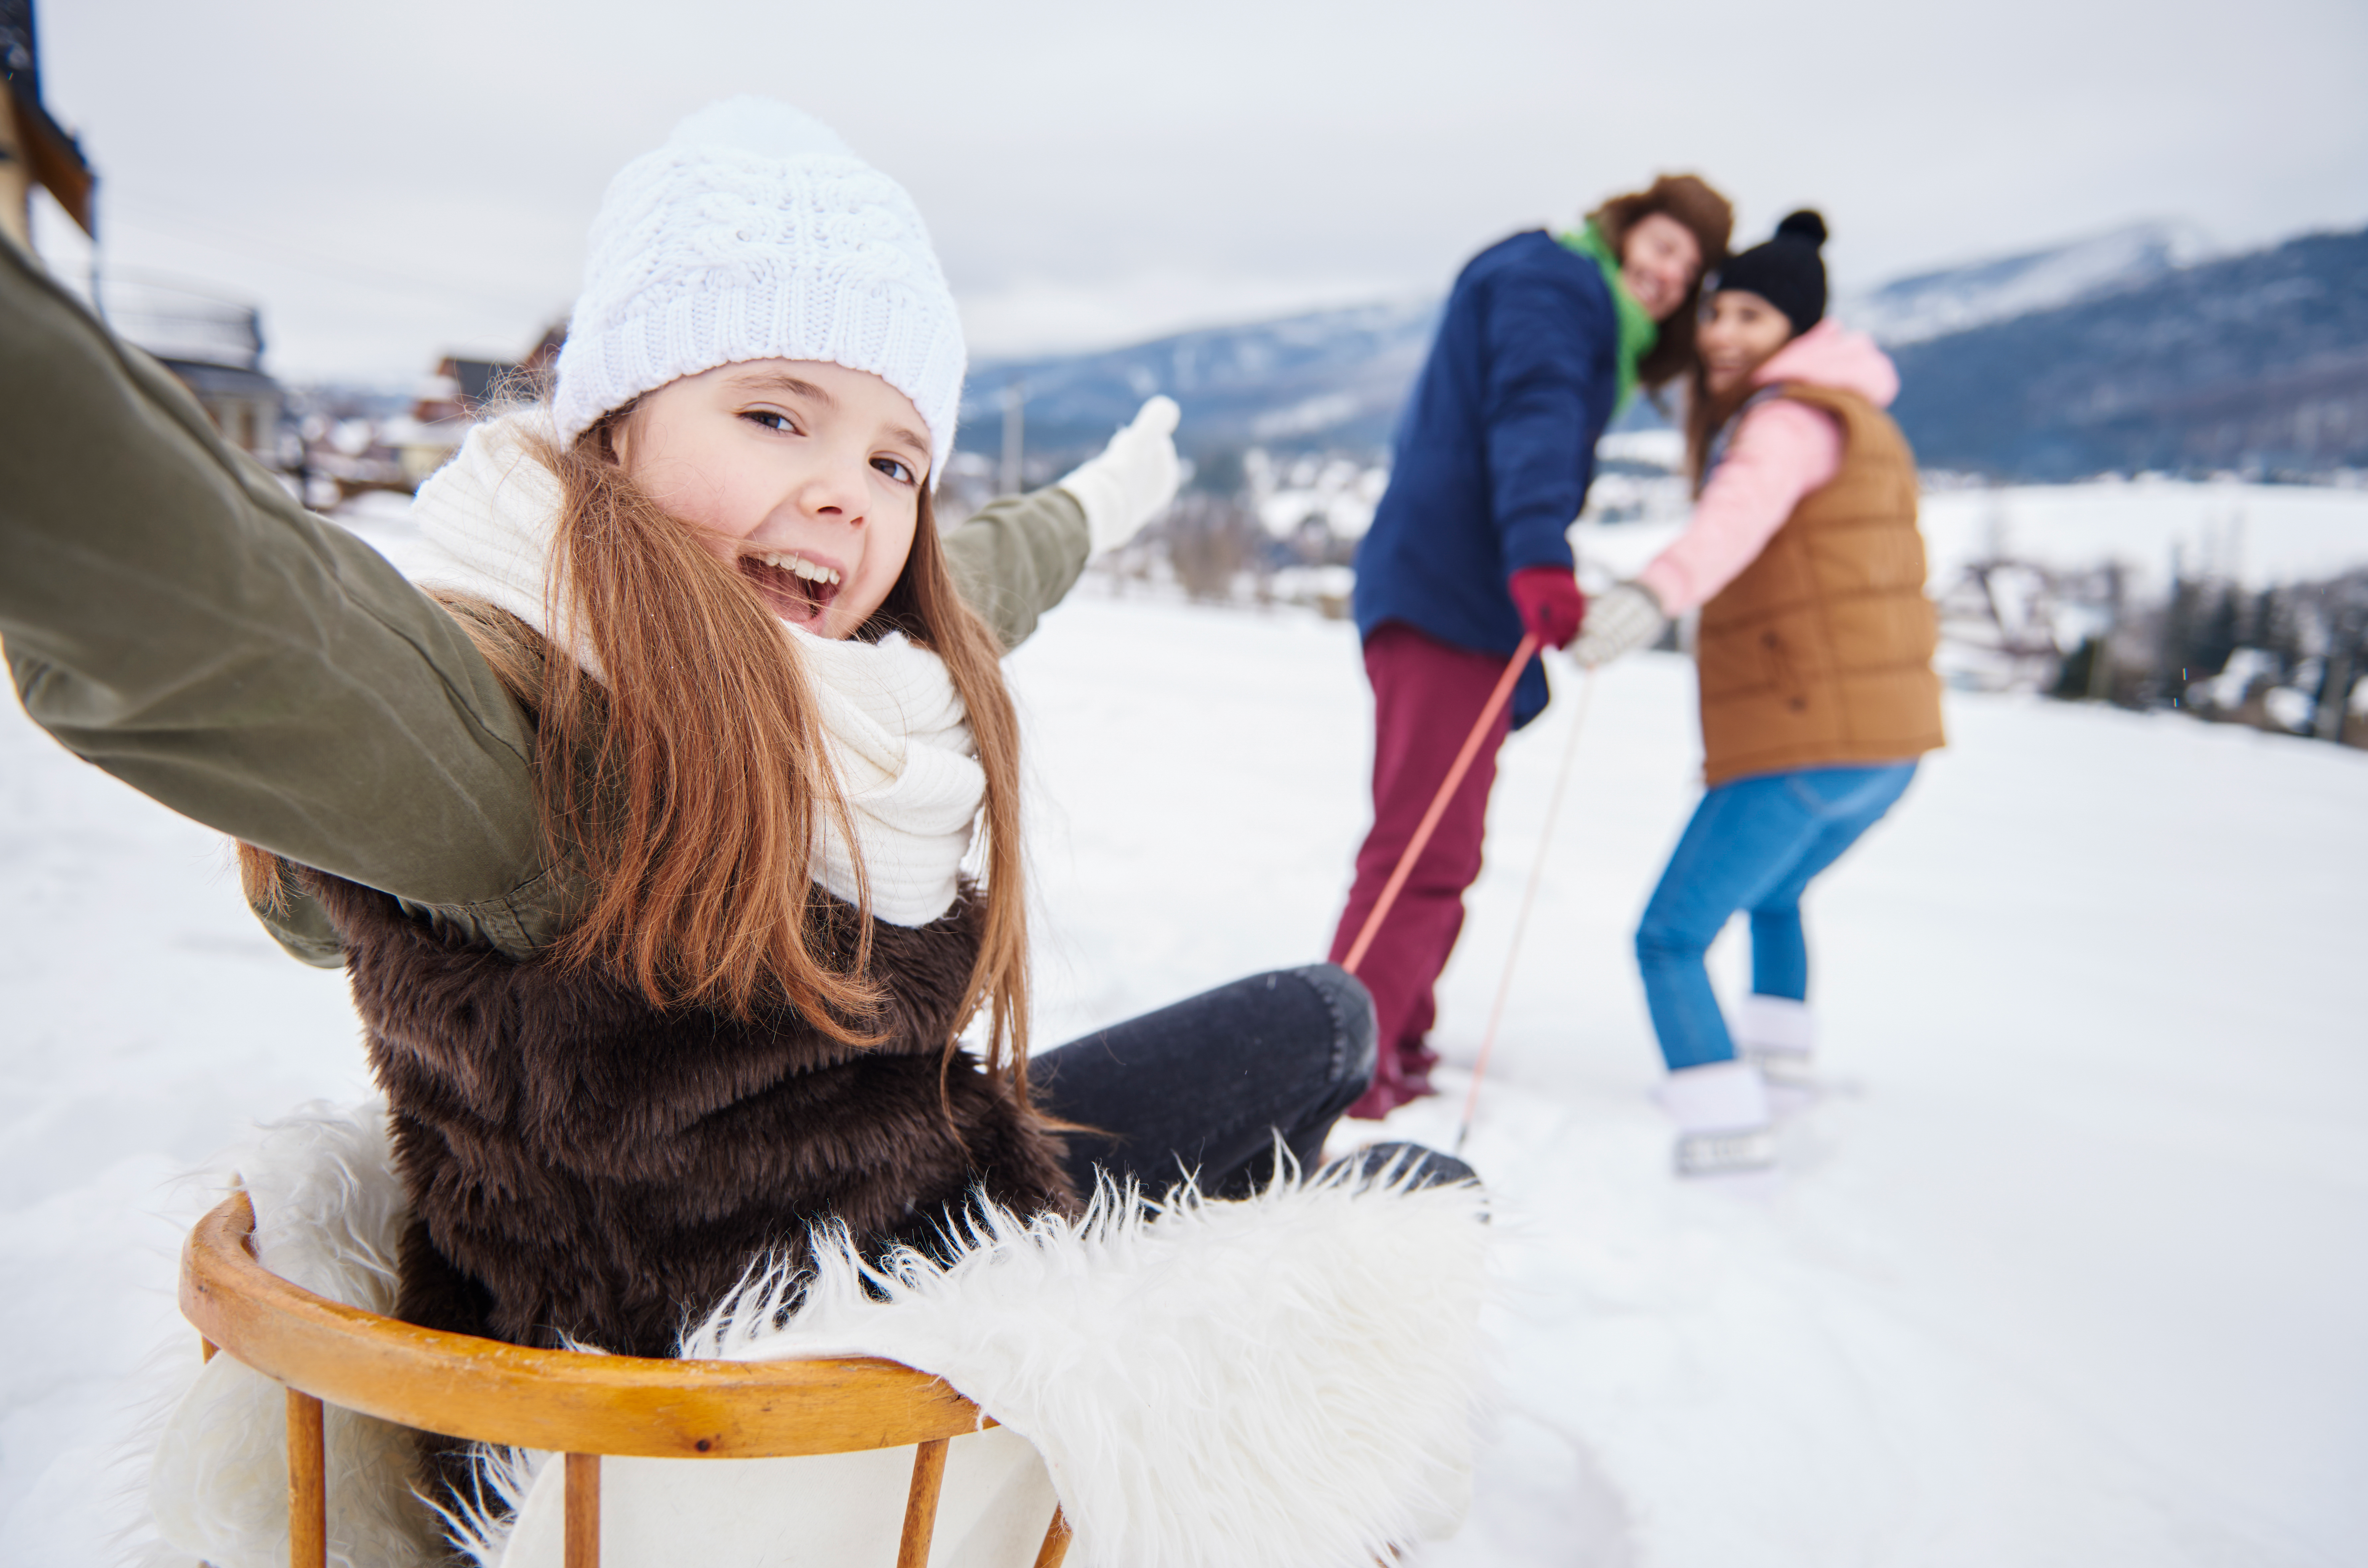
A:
[1727,1153]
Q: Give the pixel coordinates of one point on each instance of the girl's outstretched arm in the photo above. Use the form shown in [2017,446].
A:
[173,617]
[1018,558]
[1022,554]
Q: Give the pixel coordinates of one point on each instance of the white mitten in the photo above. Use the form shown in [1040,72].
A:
[1618,620]
[1133,479]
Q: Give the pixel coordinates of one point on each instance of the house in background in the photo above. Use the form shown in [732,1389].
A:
[456,392]
[214,347]
[34,149]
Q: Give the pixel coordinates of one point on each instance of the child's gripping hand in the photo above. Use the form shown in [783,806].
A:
[1551,605]
[1133,479]
[1624,619]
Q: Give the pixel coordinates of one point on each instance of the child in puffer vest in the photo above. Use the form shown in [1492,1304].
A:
[1815,658]
[648,822]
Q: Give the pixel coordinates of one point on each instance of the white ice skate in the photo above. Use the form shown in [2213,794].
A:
[1779,1036]
[1724,1124]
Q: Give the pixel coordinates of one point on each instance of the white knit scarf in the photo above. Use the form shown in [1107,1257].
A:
[893,724]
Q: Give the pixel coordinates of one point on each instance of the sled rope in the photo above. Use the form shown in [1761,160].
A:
[1529,902]
[1429,823]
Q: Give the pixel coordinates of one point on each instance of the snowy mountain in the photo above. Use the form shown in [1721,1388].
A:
[2117,354]
[1332,379]
[1335,379]
[1957,299]
[2251,362]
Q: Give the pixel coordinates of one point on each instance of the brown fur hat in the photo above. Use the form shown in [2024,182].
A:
[1710,218]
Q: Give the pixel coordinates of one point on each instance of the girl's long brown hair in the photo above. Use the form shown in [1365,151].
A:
[687,781]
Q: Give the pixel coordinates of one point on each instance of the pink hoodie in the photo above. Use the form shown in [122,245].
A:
[1781,452]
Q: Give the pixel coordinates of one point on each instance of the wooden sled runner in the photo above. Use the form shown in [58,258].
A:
[583,1405]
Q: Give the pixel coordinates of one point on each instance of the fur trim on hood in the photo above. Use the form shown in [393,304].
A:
[1287,1380]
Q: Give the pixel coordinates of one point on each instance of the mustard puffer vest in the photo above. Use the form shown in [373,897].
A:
[1820,653]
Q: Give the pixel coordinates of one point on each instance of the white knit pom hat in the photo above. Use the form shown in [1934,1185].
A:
[754,233]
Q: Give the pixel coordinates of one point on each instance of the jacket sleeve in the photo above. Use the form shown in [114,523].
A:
[1543,403]
[171,615]
[1018,558]
[1781,452]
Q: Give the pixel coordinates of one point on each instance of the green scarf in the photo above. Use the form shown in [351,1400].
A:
[1637,331]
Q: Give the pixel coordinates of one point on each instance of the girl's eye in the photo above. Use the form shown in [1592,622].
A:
[768,418]
[895,468]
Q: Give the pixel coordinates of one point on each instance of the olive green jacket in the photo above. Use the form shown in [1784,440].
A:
[171,615]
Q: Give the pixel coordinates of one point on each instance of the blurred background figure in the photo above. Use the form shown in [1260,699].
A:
[1544,337]
[1815,658]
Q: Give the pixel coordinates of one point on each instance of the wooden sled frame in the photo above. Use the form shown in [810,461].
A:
[583,1406]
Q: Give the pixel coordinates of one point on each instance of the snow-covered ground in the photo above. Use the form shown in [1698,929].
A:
[2070,1268]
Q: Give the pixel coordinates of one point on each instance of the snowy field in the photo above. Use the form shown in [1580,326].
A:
[2070,1268]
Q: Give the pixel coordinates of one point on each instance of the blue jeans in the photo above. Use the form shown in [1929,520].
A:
[1753,844]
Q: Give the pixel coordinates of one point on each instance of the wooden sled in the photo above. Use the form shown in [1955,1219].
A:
[580,1405]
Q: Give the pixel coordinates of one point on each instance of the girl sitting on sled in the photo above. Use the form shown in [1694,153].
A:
[669,828]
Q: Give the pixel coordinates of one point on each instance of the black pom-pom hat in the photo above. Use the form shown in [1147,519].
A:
[1787,271]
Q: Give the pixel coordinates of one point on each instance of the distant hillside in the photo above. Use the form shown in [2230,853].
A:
[1958,299]
[2257,361]
[2119,353]
[1334,379]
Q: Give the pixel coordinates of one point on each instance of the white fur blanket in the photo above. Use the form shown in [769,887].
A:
[1287,1381]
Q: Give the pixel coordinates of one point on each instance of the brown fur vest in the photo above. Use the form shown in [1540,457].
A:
[582,1165]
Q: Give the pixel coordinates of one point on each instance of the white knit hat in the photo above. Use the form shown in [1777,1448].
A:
[754,233]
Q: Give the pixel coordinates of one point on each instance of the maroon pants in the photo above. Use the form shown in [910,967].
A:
[1427,696]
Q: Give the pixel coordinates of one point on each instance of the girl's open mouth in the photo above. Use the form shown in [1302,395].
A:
[796,590]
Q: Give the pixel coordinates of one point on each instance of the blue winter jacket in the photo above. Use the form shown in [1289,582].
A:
[1495,450]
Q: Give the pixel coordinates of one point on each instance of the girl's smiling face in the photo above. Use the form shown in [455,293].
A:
[1738,333]
[804,477]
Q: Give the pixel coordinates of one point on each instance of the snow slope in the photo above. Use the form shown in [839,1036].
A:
[2071,1270]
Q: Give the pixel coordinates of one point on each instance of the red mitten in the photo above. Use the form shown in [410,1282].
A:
[1550,602]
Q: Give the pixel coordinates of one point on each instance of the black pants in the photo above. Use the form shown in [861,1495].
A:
[1204,1086]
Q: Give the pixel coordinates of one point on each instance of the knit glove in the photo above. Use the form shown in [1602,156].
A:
[1549,603]
[1623,619]
[1133,479]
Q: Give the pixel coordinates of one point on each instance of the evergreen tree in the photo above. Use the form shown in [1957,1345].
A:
[2216,636]
[2182,623]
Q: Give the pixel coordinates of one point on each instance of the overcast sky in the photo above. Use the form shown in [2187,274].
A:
[390,181]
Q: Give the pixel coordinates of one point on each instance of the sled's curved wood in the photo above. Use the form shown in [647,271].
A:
[580,1404]
[560,1400]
